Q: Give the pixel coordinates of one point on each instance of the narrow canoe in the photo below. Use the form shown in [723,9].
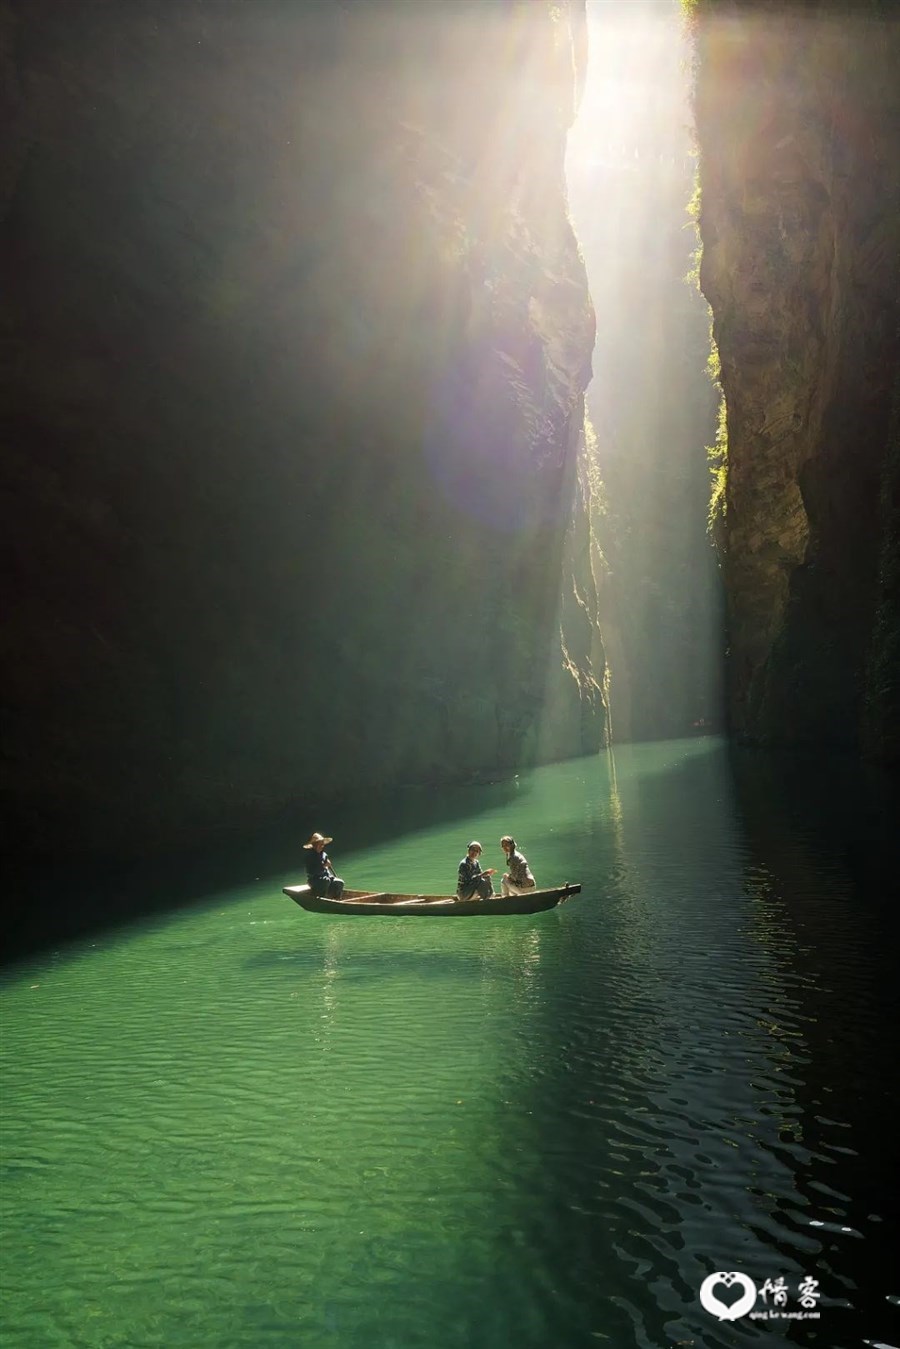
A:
[447,906]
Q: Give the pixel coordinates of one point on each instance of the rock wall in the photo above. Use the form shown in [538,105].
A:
[296,338]
[798,117]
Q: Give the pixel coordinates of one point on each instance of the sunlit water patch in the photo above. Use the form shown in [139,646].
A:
[245,1125]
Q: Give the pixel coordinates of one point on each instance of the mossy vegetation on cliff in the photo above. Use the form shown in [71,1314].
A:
[717,453]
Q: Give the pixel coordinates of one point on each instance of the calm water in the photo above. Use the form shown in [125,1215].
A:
[245,1125]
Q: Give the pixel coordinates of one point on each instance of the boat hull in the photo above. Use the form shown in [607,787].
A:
[361,902]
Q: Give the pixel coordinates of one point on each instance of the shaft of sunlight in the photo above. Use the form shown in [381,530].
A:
[631,172]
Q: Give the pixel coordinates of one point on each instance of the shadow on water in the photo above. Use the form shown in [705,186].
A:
[825,852]
[836,815]
[725,1062]
[61,901]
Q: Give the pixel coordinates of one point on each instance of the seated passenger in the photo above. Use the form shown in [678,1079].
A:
[471,880]
[319,871]
[518,879]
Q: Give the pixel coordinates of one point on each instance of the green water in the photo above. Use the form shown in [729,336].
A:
[244,1125]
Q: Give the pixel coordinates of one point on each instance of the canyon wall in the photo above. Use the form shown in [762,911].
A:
[798,121]
[296,334]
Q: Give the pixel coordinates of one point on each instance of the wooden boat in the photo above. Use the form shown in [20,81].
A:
[444,906]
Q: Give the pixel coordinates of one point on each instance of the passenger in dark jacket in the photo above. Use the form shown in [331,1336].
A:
[319,871]
[471,880]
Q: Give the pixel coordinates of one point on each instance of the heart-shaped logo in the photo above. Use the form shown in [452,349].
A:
[728,1280]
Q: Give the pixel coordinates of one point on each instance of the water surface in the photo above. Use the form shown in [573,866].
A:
[245,1125]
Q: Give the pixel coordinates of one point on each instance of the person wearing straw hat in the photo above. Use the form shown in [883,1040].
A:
[471,880]
[319,871]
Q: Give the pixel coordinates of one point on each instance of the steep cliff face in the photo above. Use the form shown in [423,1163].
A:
[296,340]
[798,115]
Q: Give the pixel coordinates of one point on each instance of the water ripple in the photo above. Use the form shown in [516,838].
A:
[548,1132]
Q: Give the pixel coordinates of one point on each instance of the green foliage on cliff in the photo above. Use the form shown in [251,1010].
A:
[599,504]
[693,211]
[717,454]
[717,457]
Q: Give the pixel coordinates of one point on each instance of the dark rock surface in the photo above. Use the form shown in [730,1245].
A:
[798,113]
[296,335]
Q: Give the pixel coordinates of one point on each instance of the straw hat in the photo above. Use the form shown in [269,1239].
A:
[318,838]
